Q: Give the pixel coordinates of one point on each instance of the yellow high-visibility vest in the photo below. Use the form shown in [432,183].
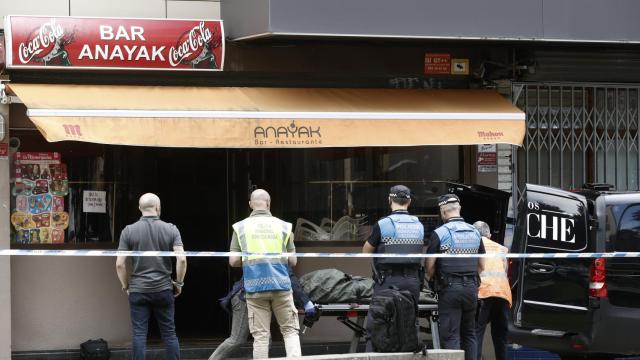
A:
[264,234]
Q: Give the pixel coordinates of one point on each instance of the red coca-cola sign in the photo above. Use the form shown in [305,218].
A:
[112,43]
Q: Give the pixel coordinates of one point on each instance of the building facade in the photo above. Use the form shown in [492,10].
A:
[576,82]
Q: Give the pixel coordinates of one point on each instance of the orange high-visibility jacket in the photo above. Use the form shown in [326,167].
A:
[494,281]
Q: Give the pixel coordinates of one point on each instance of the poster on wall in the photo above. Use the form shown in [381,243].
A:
[487,158]
[40,186]
[44,42]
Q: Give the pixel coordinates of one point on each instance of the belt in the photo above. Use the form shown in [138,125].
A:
[460,278]
[410,270]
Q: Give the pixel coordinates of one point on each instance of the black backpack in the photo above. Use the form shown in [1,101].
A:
[94,350]
[394,327]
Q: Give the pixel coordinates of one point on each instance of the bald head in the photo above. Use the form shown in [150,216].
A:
[260,200]
[149,205]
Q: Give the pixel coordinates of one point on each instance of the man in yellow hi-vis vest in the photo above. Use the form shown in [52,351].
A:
[494,295]
[266,279]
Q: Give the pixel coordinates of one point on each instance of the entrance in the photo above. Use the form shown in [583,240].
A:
[192,184]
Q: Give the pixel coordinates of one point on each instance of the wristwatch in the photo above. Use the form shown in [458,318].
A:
[179,283]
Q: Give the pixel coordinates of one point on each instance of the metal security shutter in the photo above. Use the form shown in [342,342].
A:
[578,133]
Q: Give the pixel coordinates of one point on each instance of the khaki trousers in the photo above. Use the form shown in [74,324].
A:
[260,310]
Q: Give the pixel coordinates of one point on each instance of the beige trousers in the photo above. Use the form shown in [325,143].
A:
[260,309]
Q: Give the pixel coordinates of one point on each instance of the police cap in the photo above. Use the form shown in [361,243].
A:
[400,192]
[448,199]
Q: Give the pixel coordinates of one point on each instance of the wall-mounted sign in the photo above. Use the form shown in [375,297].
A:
[460,66]
[94,202]
[437,64]
[487,158]
[112,43]
[4,151]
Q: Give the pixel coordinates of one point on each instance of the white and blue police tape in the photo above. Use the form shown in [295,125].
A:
[24,252]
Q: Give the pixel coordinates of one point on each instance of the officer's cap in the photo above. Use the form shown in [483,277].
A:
[448,199]
[400,192]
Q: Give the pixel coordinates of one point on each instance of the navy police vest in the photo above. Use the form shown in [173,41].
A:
[458,237]
[400,234]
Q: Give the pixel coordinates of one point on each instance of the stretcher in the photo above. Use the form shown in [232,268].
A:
[347,312]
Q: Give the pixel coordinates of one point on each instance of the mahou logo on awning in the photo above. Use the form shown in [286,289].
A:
[111,43]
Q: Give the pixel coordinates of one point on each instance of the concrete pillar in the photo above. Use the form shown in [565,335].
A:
[5,261]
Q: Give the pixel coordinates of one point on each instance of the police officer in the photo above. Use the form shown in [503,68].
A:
[456,280]
[398,233]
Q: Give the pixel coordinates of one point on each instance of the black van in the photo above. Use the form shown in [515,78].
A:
[577,307]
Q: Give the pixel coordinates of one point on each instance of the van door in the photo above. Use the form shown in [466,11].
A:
[552,293]
[481,203]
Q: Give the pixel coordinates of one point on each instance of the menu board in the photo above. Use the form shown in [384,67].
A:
[40,188]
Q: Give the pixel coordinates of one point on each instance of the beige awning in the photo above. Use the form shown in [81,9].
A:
[237,117]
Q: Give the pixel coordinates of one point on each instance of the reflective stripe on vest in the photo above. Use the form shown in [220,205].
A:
[458,237]
[400,234]
[494,281]
[264,234]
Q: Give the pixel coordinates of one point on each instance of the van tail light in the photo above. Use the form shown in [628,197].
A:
[598,278]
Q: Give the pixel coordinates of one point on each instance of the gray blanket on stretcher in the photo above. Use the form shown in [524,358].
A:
[331,286]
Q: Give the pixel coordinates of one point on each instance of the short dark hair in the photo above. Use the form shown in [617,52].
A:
[400,201]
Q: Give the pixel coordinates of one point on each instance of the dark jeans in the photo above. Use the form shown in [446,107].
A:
[409,282]
[457,312]
[162,305]
[496,311]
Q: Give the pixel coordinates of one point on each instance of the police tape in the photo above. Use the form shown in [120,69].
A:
[223,254]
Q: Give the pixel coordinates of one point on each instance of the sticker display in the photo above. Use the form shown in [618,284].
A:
[57,236]
[59,187]
[60,220]
[40,187]
[58,203]
[39,204]
[22,220]
[22,203]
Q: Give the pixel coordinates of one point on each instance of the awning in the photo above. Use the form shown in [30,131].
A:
[236,117]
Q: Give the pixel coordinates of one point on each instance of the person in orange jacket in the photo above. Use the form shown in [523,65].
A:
[494,296]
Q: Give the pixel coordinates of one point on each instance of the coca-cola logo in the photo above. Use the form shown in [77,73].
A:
[40,42]
[190,45]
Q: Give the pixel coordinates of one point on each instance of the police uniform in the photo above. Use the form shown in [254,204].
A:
[398,233]
[457,281]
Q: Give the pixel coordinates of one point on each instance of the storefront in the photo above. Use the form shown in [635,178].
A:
[83,151]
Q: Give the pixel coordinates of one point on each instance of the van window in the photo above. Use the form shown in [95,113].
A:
[628,238]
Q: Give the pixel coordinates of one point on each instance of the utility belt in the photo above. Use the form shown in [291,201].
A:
[445,280]
[382,272]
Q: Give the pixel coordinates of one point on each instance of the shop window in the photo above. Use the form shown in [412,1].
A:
[335,196]
[61,194]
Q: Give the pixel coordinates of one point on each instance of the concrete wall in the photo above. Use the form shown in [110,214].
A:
[59,302]
[174,9]
[5,261]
